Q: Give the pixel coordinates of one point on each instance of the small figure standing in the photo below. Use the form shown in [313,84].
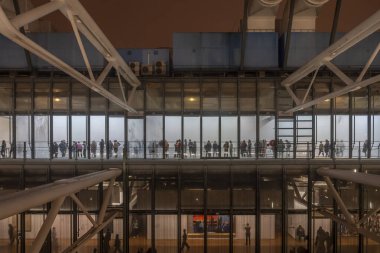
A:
[321,149]
[231,147]
[116,146]
[117,244]
[184,241]
[93,148]
[11,234]
[247,229]
[3,148]
[300,233]
[101,147]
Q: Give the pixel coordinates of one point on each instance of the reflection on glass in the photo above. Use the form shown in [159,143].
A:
[79,135]
[244,233]
[23,136]
[6,137]
[191,135]
[97,134]
[210,96]
[8,234]
[304,134]
[218,191]
[60,95]
[41,136]
[140,232]
[166,233]
[136,138]
[166,194]
[375,152]
[173,94]
[192,192]
[341,136]
[6,96]
[266,96]
[155,144]
[173,132]
[191,98]
[229,129]
[60,134]
[244,189]
[154,96]
[79,99]
[116,135]
[210,131]
[23,97]
[285,133]
[84,224]
[266,144]
[41,97]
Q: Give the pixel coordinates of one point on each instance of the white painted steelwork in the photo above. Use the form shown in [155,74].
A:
[83,24]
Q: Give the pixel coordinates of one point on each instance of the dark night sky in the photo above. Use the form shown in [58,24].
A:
[150,23]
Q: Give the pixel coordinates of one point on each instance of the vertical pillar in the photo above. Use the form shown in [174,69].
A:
[284,234]
[258,212]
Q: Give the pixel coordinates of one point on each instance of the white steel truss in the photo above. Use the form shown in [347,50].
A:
[56,193]
[348,219]
[362,31]
[82,23]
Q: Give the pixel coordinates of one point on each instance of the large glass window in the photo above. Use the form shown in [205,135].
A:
[166,233]
[192,188]
[248,134]
[155,145]
[285,131]
[60,137]
[173,95]
[42,147]
[23,97]
[191,135]
[79,99]
[244,187]
[218,191]
[360,145]
[270,233]
[60,96]
[266,144]
[6,97]
[154,96]
[191,98]
[115,89]
[116,136]
[266,96]
[210,94]
[97,134]
[229,131]
[79,135]
[137,101]
[140,189]
[23,136]
[6,136]
[98,102]
[304,136]
[210,134]
[228,97]
[140,232]
[375,152]
[166,194]
[41,96]
[136,138]
[218,229]
[322,136]
[194,226]
[244,233]
[173,133]
[342,135]
[247,97]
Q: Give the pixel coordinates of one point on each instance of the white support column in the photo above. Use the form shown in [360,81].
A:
[45,229]
[83,208]
[73,21]
[106,201]
[36,13]
[339,201]
[369,62]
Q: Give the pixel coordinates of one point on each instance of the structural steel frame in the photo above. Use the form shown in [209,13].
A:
[56,193]
[348,220]
[82,24]
[362,31]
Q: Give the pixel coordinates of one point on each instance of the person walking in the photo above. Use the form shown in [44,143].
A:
[321,148]
[327,148]
[55,149]
[184,241]
[107,239]
[247,229]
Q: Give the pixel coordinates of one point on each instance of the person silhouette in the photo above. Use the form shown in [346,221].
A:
[184,241]
[247,229]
